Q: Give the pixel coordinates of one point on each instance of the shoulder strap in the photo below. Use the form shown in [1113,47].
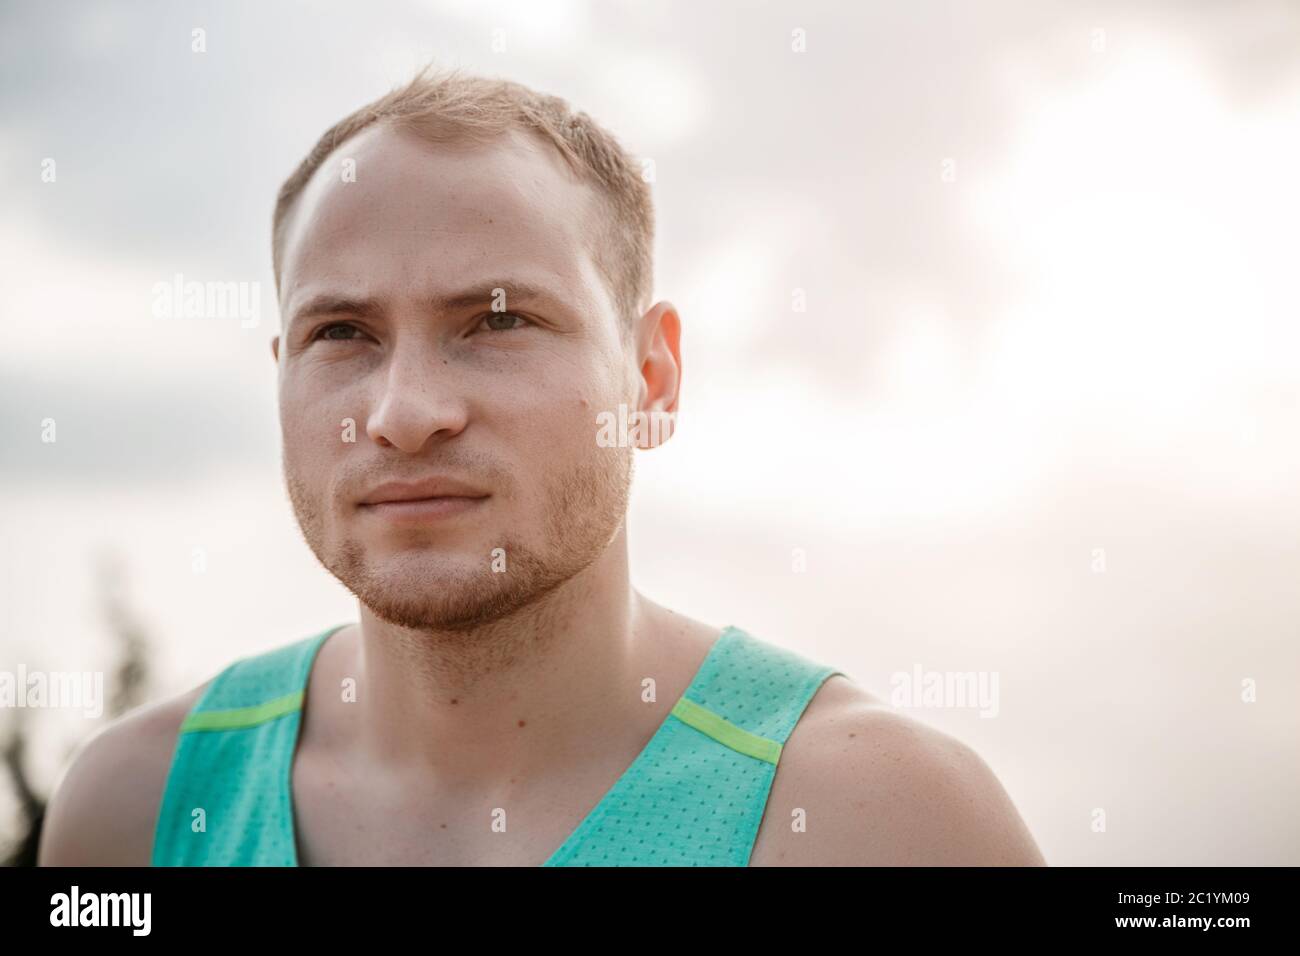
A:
[749,694]
[227,800]
[696,794]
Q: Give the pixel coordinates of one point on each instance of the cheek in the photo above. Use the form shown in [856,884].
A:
[548,435]
[315,432]
[558,432]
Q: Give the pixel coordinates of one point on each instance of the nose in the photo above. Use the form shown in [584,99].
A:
[419,401]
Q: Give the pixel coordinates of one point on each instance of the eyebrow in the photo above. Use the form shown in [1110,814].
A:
[332,303]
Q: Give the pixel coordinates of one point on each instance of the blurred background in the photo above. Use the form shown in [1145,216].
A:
[991,361]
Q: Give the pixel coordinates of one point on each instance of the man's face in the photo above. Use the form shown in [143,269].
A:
[388,322]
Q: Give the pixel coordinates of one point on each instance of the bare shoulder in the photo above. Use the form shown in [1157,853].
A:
[877,787]
[105,806]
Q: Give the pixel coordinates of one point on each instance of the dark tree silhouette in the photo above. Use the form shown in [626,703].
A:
[128,685]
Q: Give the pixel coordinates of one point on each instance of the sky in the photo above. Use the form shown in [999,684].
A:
[1046,257]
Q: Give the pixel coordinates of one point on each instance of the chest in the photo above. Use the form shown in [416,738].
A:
[659,814]
[341,819]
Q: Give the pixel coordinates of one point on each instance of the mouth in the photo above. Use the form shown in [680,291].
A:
[432,508]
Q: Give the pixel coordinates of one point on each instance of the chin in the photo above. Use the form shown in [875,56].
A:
[445,606]
[416,588]
[418,570]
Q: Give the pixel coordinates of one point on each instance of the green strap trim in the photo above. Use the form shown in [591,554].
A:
[725,732]
[241,717]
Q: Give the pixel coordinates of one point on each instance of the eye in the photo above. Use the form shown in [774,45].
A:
[326,332]
[503,321]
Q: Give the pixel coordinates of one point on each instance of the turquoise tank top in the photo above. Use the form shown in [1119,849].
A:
[694,796]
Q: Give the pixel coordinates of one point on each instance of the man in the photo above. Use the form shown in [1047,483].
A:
[464,272]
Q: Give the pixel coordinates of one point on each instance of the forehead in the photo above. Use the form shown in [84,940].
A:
[423,217]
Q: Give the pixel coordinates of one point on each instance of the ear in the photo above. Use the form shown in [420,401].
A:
[275,347]
[660,360]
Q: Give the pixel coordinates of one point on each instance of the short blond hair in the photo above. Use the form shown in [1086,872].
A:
[452,106]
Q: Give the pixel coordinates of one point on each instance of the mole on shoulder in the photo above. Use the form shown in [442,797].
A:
[521,723]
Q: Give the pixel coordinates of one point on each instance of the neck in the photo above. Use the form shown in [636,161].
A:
[510,697]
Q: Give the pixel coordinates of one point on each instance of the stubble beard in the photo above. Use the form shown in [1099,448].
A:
[584,509]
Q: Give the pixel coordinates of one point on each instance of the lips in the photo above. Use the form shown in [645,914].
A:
[422,511]
[436,488]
